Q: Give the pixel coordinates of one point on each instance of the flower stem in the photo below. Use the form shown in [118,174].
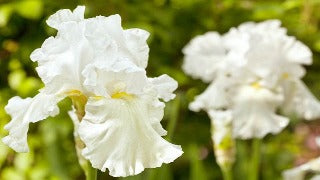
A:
[91,173]
[79,101]
[227,172]
[174,115]
[255,160]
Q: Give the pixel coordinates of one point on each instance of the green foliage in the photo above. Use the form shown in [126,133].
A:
[172,23]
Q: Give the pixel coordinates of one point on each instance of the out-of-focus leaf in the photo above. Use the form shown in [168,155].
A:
[10,45]
[14,64]
[3,153]
[316,45]
[29,86]
[23,161]
[16,78]
[30,9]
[38,172]
[5,13]
[267,11]
[197,170]
[291,4]
[10,174]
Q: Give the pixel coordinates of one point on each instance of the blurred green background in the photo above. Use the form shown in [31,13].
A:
[172,23]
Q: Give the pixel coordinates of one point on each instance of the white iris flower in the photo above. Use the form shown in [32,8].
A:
[101,67]
[254,70]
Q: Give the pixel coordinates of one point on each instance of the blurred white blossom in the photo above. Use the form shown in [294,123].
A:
[254,71]
[101,67]
[299,172]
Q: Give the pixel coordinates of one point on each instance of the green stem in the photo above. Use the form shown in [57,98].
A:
[79,101]
[91,173]
[255,160]
[173,118]
[227,173]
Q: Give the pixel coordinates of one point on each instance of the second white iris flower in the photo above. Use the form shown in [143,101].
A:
[253,70]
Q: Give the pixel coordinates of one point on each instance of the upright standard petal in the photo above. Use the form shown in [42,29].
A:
[105,32]
[65,15]
[25,111]
[298,52]
[120,135]
[204,56]
[62,59]
[136,43]
[252,43]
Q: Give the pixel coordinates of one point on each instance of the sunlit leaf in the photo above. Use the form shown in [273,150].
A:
[31,9]
[5,13]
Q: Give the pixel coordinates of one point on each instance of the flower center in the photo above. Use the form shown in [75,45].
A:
[79,101]
[285,75]
[121,95]
[256,85]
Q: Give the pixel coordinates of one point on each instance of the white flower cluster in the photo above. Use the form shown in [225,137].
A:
[254,71]
[97,59]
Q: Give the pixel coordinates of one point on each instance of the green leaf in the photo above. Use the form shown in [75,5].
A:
[15,78]
[11,173]
[30,9]
[197,167]
[5,14]
[316,45]
[23,161]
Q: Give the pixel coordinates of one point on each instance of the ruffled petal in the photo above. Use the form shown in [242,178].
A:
[299,53]
[156,113]
[106,34]
[164,85]
[136,42]
[25,111]
[119,134]
[300,101]
[269,27]
[214,97]
[251,44]
[65,15]
[80,43]
[49,47]
[204,56]
[254,113]
[62,59]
